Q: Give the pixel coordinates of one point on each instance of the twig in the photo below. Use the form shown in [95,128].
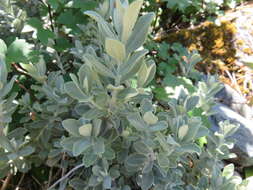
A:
[6,182]
[66,176]
[20,181]
[50,177]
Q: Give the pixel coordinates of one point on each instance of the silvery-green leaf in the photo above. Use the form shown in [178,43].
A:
[141,147]
[129,68]
[109,153]
[190,148]
[7,88]
[67,143]
[228,171]
[5,143]
[96,127]
[75,92]
[163,160]
[72,126]
[26,151]
[194,124]
[137,122]
[203,131]
[100,68]
[89,157]
[127,94]
[148,166]
[182,131]
[85,130]
[3,49]
[147,180]
[159,126]
[115,49]
[150,118]
[107,31]
[118,13]
[3,71]
[107,182]
[99,147]
[94,113]
[227,128]
[139,33]
[135,160]
[191,103]
[80,146]
[130,18]
[146,73]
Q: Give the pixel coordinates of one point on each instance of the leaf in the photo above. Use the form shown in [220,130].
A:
[75,92]
[147,180]
[67,143]
[72,126]
[150,118]
[146,74]
[142,148]
[107,183]
[115,49]
[163,160]
[80,146]
[137,122]
[228,171]
[191,103]
[85,130]
[3,49]
[19,51]
[26,151]
[104,26]
[129,68]
[99,147]
[161,125]
[89,157]
[3,72]
[190,148]
[99,67]
[135,160]
[130,18]
[182,131]
[139,33]
[5,143]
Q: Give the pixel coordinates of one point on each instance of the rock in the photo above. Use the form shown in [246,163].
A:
[244,135]
[235,101]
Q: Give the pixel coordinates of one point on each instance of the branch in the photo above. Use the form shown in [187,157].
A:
[66,176]
[6,182]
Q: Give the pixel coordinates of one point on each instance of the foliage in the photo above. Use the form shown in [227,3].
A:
[100,119]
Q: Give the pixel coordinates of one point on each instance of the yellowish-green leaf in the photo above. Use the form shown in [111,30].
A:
[115,49]
[150,118]
[85,130]
[130,18]
[182,131]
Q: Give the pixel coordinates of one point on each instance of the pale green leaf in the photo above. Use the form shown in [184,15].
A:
[72,126]
[130,18]
[115,49]
[139,33]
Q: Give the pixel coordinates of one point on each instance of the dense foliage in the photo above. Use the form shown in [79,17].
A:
[83,107]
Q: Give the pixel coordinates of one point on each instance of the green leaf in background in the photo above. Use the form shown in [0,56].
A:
[19,51]
[42,34]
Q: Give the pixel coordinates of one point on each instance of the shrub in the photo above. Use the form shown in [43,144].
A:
[100,120]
